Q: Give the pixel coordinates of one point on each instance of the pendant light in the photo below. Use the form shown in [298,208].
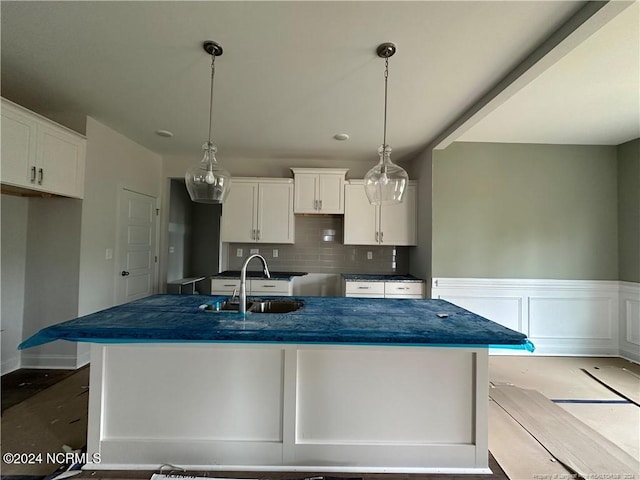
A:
[385,183]
[208,182]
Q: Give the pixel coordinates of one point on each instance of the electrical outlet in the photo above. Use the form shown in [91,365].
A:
[108,254]
[239,252]
[172,249]
[275,253]
[254,250]
[369,255]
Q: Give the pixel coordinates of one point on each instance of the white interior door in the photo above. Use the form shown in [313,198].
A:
[136,247]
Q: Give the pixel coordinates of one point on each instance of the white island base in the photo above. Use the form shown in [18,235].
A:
[278,407]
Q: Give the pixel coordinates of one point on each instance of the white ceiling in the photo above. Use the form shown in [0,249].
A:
[590,97]
[292,75]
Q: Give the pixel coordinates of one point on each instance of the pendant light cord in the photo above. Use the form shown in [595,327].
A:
[386,81]
[213,71]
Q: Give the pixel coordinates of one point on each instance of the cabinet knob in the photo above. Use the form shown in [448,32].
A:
[124,273]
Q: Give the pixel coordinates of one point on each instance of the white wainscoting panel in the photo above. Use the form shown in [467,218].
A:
[630,320]
[561,317]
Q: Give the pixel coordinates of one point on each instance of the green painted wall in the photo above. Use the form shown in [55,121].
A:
[629,211]
[525,211]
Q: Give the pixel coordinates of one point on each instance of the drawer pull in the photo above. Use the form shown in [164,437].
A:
[229,285]
[268,286]
[364,288]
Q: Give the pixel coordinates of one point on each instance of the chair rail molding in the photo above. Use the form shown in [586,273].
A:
[561,317]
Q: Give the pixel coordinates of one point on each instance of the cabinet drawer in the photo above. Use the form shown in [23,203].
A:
[364,288]
[221,286]
[404,288]
[270,287]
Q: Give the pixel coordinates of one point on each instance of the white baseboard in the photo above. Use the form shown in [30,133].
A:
[63,362]
[83,359]
[560,317]
[10,364]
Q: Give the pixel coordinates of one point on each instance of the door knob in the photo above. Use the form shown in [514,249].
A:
[124,273]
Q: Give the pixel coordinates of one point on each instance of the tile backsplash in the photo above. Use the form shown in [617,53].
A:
[319,249]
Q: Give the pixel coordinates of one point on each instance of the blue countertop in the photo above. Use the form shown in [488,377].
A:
[322,320]
[380,277]
[235,274]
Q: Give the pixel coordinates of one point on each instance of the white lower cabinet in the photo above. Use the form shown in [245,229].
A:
[383,289]
[255,286]
[366,224]
[39,154]
[258,210]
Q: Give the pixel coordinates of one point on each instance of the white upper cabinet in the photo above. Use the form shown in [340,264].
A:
[366,224]
[258,210]
[41,155]
[319,190]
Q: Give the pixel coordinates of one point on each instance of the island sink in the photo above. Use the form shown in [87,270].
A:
[256,306]
[275,306]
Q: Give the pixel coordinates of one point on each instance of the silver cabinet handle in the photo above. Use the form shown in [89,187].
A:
[320,204]
[253,233]
[33,174]
[364,288]
[377,237]
[381,240]
[41,172]
[315,204]
[258,234]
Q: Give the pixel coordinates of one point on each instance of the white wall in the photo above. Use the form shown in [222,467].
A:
[113,161]
[13,265]
[51,279]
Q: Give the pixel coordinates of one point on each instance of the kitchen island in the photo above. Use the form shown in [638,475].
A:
[342,384]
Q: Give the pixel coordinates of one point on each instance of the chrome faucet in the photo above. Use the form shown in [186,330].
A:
[243,279]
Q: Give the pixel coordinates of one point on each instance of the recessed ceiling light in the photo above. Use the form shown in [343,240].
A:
[341,136]
[164,133]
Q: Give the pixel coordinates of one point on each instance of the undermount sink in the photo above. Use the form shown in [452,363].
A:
[274,306]
[256,306]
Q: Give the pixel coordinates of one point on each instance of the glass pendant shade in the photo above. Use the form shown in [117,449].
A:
[385,183]
[208,182]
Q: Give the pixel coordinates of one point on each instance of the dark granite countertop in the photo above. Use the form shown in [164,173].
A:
[259,274]
[380,277]
[322,320]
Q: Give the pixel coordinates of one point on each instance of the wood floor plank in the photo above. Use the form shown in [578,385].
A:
[575,444]
[519,454]
[622,381]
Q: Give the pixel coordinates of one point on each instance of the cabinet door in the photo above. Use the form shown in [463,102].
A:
[331,193]
[60,162]
[398,222]
[239,215]
[18,148]
[305,193]
[275,213]
[360,217]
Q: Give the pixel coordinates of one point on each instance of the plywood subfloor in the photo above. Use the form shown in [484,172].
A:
[45,423]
